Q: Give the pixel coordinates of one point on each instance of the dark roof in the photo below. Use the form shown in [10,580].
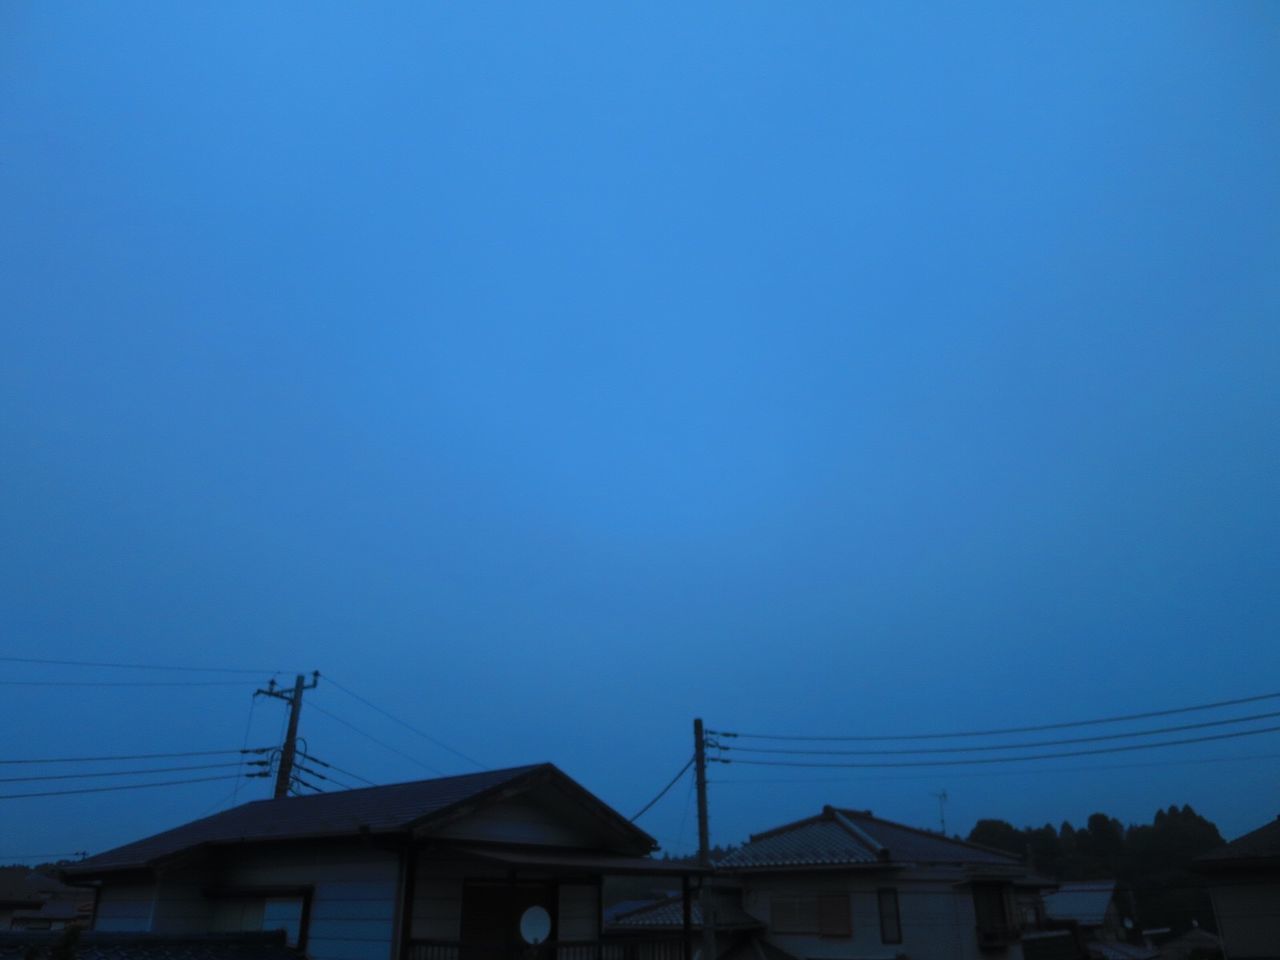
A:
[1258,846]
[839,837]
[143,946]
[396,808]
[668,914]
[24,885]
[1084,902]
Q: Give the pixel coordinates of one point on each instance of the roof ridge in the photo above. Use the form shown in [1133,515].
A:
[857,832]
[520,768]
[774,831]
[866,814]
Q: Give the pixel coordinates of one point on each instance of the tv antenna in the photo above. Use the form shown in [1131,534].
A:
[942,809]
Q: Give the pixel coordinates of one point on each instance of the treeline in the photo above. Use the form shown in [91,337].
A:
[1153,859]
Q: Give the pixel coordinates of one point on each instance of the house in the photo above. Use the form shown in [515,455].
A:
[1102,909]
[32,900]
[473,867]
[738,934]
[1103,915]
[1244,881]
[847,884]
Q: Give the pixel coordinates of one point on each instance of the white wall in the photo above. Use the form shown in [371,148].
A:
[937,918]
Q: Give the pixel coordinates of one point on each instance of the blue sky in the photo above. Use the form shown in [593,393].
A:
[556,373]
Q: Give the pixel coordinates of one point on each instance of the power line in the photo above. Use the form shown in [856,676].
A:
[990,733]
[320,776]
[408,726]
[663,792]
[990,760]
[132,666]
[123,683]
[1038,771]
[248,728]
[39,856]
[309,786]
[334,766]
[789,751]
[372,738]
[126,786]
[141,756]
[132,773]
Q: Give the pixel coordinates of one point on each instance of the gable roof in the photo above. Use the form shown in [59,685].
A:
[1259,847]
[840,837]
[1086,903]
[393,809]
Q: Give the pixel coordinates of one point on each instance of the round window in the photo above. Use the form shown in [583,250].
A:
[535,925]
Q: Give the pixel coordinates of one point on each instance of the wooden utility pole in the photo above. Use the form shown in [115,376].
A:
[704,841]
[289,749]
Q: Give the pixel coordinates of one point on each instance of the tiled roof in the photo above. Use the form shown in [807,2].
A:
[141,946]
[1260,844]
[374,810]
[838,837]
[1109,950]
[669,913]
[1086,903]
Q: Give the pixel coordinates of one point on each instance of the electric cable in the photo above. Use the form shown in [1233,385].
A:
[790,751]
[132,666]
[996,732]
[408,726]
[990,760]
[663,792]
[141,756]
[125,786]
[333,766]
[372,738]
[131,773]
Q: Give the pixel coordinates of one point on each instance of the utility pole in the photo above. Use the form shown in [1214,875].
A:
[704,841]
[289,749]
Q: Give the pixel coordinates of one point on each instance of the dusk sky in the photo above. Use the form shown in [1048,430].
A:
[552,374]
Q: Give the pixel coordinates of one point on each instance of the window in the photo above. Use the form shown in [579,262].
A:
[993,905]
[827,915]
[833,916]
[237,910]
[890,922]
[794,914]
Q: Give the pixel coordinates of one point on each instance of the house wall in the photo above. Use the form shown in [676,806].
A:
[180,904]
[353,903]
[529,818]
[125,908]
[437,902]
[1248,920]
[937,918]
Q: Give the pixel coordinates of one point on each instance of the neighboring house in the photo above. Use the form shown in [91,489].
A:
[459,868]
[1244,881]
[845,884]
[738,934]
[1104,915]
[1196,944]
[31,900]
[1102,909]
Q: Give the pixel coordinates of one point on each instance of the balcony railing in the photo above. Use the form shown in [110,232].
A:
[621,948]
